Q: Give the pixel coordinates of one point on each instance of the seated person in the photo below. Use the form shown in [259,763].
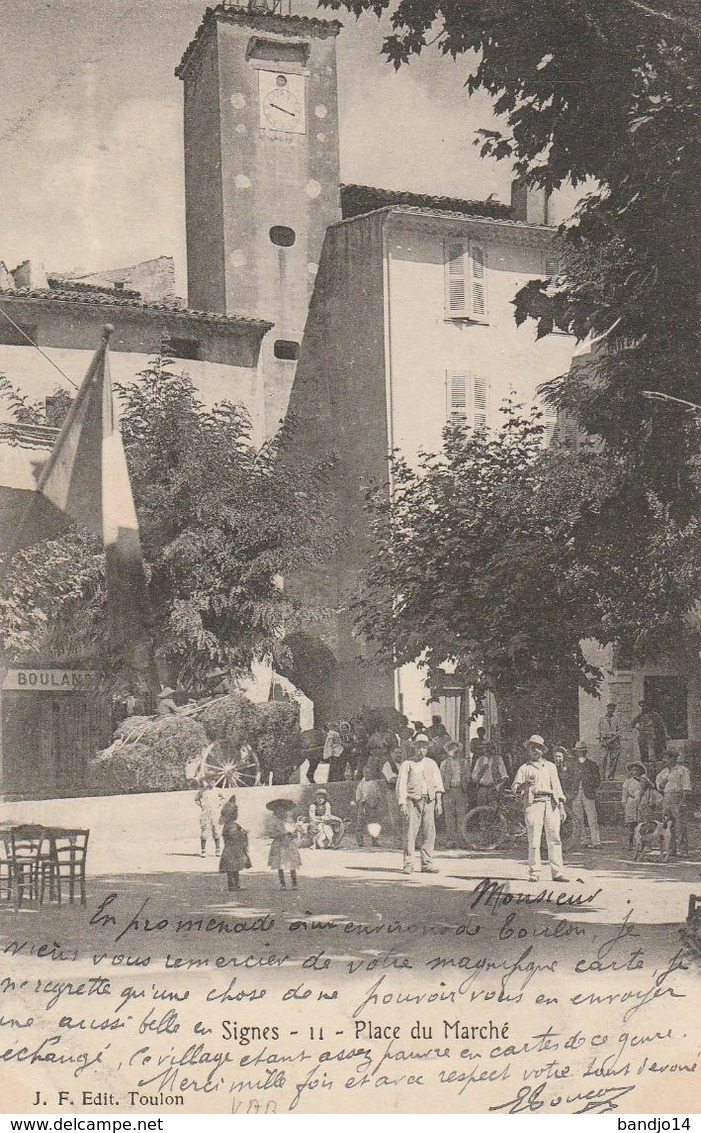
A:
[321,821]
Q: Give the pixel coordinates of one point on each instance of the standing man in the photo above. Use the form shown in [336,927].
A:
[488,774]
[419,796]
[455,773]
[610,740]
[588,781]
[652,733]
[438,737]
[674,781]
[544,807]
[478,743]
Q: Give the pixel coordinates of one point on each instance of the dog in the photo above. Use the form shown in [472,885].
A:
[654,835]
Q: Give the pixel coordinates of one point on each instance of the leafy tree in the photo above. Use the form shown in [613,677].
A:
[600,92]
[220,522]
[501,557]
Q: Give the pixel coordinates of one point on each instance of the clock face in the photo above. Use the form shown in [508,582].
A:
[282,103]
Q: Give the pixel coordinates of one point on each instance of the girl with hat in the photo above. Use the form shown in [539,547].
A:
[284,852]
[635,786]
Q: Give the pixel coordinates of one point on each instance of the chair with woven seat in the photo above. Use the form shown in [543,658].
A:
[29,847]
[68,855]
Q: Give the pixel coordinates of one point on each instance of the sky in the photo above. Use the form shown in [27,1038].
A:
[91,155]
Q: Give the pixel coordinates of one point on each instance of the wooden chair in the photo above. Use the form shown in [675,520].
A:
[29,847]
[68,855]
[5,864]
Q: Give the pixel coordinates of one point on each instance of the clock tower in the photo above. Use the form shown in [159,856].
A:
[261,172]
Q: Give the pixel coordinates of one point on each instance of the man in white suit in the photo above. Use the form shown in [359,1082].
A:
[537,781]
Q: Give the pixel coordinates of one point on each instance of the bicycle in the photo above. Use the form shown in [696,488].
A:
[489,827]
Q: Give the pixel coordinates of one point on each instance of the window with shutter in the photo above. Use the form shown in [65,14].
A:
[552,266]
[455,280]
[457,395]
[478,264]
[480,408]
[468,399]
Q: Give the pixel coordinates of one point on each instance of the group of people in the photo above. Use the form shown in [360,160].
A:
[650,730]
[426,788]
[408,781]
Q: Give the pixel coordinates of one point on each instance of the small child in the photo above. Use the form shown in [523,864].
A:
[284,852]
[368,802]
[634,786]
[235,854]
[209,799]
[319,814]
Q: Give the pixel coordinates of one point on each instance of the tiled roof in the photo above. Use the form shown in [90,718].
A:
[359,199]
[501,222]
[260,21]
[27,436]
[59,283]
[518,231]
[118,302]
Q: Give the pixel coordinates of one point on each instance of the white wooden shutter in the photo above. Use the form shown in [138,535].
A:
[456,282]
[480,402]
[458,383]
[552,266]
[478,281]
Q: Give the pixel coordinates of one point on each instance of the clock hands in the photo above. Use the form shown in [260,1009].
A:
[275,106]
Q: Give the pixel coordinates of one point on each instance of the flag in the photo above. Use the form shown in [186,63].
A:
[86,480]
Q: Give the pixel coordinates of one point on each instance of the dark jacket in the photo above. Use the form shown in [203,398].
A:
[589,776]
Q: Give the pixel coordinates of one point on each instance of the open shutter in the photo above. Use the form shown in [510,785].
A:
[478,263]
[457,391]
[456,283]
[480,402]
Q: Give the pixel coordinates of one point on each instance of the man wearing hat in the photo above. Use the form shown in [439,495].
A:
[166,706]
[538,783]
[674,782]
[652,732]
[419,796]
[610,740]
[455,773]
[587,783]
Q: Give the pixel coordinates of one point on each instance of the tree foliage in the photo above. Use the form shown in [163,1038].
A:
[501,556]
[220,522]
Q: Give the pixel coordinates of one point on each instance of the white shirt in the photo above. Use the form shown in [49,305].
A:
[418,780]
[672,779]
[540,777]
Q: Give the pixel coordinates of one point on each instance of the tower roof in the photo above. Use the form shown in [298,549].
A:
[257,19]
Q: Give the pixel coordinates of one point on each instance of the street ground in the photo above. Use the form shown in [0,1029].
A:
[595,960]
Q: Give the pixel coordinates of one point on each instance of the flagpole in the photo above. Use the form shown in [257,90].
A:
[76,404]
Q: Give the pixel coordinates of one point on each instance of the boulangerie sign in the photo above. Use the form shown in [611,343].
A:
[48,680]
[323,443]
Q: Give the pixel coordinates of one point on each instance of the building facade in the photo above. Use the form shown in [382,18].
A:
[410,326]
[52,718]
[220,352]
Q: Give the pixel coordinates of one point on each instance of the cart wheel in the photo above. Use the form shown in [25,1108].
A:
[223,773]
[484,828]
